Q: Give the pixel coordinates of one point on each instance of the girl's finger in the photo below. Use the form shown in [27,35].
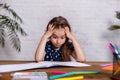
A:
[51,27]
[66,29]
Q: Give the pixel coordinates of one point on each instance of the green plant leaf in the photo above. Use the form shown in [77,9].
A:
[114,27]
[2,37]
[15,42]
[11,11]
[118,15]
[12,26]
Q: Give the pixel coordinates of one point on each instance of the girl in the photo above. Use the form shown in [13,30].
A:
[58,43]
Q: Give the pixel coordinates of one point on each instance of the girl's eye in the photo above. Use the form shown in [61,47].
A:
[55,37]
[62,37]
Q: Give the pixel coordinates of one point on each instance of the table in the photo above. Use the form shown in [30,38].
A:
[105,74]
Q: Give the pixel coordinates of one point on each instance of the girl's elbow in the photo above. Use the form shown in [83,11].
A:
[81,60]
[38,60]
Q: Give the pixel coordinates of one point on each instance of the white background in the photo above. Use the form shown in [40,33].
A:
[89,19]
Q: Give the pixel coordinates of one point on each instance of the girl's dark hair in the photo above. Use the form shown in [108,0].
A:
[61,22]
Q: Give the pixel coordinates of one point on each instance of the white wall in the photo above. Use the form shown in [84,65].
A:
[89,19]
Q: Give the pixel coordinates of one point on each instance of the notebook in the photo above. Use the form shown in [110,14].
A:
[43,64]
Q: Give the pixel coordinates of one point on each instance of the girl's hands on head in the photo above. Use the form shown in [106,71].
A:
[50,30]
[68,33]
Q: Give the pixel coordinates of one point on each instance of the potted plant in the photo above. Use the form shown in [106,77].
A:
[10,26]
[115,27]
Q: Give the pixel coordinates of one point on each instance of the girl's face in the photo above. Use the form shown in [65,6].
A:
[58,38]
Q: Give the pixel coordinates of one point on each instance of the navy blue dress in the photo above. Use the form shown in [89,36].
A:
[52,54]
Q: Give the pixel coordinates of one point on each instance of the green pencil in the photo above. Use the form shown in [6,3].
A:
[85,72]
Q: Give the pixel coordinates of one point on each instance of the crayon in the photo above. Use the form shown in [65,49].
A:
[116,72]
[60,75]
[85,72]
[71,78]
[57,72]
[54,72]
[111,48]
[116,49]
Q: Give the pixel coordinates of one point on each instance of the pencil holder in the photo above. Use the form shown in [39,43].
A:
[116,67]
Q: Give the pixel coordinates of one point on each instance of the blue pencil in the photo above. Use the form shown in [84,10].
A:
[60,75]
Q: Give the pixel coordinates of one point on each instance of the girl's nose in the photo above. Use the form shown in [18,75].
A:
[58,41]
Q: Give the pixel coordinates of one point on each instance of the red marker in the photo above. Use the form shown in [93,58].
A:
[57,72]
[54,72]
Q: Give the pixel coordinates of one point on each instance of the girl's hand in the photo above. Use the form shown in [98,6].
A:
[50,30]
[68,33]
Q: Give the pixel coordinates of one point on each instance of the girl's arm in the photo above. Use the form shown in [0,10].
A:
[78,53]
[40,52]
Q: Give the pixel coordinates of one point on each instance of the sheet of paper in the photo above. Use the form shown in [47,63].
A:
[44,64]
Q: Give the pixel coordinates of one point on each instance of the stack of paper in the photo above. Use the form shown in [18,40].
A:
[29,76]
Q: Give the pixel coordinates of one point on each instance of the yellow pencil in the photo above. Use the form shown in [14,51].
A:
[71,78]
[118,70]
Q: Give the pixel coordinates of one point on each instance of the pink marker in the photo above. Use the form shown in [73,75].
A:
[111,48]
[54,72]
[57,72]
